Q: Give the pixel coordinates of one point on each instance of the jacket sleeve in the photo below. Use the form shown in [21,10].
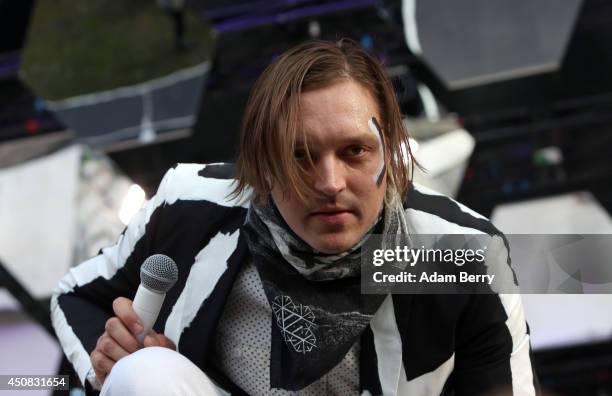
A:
[82,301]
[493,352]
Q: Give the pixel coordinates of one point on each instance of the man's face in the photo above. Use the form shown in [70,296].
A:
[348,160]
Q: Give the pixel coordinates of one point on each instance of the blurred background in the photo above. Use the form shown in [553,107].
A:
[508,103]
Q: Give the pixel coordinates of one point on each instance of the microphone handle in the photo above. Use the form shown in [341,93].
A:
[147,304]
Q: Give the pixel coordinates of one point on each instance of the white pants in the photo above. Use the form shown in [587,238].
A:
[158,371]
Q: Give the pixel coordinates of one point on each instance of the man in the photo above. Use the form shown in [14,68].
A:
[268,299]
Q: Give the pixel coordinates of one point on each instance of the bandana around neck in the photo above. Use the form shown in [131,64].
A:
[311,264]
[318,309]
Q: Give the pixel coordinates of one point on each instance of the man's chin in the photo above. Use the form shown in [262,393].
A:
[333,244]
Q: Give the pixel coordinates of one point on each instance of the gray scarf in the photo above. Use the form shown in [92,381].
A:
[319,311]
[317,266]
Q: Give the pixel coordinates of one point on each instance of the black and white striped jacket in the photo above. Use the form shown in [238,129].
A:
[425,344]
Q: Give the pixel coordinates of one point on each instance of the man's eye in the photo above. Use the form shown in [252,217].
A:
[299,154]
[355,151]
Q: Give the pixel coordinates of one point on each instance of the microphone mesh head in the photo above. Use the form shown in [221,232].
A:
[158,273]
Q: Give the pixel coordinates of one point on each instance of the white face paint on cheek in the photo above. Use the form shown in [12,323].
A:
[381,168]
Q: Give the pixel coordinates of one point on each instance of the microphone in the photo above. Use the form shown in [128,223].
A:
[158,274]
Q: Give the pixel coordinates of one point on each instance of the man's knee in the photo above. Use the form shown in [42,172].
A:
[152,371]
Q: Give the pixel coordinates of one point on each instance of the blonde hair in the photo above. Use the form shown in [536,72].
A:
[271,123]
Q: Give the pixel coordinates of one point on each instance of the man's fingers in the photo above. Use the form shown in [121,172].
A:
[109,347]
[118,332]
[124,311]
[150,341]
[102,365]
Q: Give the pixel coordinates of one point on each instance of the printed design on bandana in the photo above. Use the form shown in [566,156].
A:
[295,322]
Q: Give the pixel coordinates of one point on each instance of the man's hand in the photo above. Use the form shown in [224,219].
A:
[119,338]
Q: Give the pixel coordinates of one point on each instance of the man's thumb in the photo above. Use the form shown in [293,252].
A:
[155,339]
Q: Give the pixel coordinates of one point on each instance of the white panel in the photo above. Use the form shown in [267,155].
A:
[37,218]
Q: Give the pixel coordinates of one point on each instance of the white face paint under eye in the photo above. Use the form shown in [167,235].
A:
[380,170]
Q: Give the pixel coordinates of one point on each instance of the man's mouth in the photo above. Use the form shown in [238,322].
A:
[330,210]
[332,215]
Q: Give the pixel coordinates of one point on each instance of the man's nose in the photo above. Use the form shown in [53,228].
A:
[330,178]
